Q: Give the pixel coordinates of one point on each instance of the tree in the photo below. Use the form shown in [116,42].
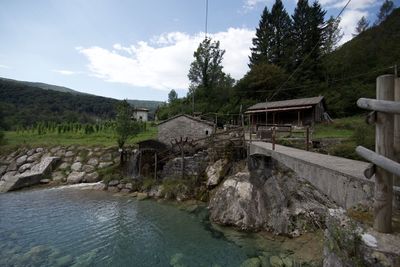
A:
[124,126]
[307,34]
[280,25]
[261,50]
[362,25]
[206,70]
[332,35]
[385,10]
[172,96]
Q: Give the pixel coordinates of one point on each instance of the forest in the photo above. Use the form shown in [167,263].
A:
[295,56]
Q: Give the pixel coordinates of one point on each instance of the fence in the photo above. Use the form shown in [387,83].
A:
[386,167]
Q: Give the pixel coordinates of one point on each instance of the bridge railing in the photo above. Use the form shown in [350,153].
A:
[386,167]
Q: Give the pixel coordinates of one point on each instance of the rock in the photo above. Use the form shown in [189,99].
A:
[34,157]
[25,167]
[276,261]
[142,196]
[121,186]
[88,168]
[75,177]
[134,194]
[30,152]
[129,186]
[113,189]
[252,262]
[287,262]
[77,166]
[176,260]
[93,162]
[270,197]
[55,149]
[39,149]
[113,183]
[91,177]
[78,158]
[21,160]
[45,181]
[106,157]
[3,170]
[156,191]
[125,191]
[99,186]
[69,154]
[64,261]
[216,172]
[105,164]
[64,166]
[12,167]
[57,176]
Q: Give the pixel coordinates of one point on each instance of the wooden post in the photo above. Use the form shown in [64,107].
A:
[396,144]
[384,146]
[140,162]
[183,162]
[273,138]
[298,118]
[155,165]
[308,138]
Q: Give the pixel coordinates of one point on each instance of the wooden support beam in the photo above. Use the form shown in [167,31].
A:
[386,106]
[389,165]
[396,143]
[384,146]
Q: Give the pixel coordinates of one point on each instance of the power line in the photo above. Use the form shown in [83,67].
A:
[307,56]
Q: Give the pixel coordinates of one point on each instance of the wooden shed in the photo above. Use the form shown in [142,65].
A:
[300,112]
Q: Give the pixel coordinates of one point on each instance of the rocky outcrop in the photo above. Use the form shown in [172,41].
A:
[216,172]
[268,197]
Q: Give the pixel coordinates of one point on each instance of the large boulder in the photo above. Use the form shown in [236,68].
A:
[75,177]
[77,166]
[91,177]
[21,160]
[269,197]
[216,172]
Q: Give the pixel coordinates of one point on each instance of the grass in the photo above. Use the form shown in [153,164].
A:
[340,128]
[104,138]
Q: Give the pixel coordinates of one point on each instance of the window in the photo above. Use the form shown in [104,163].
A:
[206,132]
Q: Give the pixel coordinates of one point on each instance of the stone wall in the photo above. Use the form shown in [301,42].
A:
[75,164]
[194,166]
[183,126]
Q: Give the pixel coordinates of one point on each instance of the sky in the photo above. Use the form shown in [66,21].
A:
[135,49]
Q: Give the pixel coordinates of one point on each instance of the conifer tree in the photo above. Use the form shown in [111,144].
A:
[385,10]
[280,24]
[332,35]
[362,25]
[261,50]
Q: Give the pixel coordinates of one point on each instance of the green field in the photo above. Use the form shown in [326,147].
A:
[103,138]
[340,128]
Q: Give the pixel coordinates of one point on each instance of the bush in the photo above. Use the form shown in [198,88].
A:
[364,135]
[345,150]
[148,183]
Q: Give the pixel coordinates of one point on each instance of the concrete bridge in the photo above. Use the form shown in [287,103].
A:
[341,179]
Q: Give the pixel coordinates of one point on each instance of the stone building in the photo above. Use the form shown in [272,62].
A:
[140,114]
[184,126]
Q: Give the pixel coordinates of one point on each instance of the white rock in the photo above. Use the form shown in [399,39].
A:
[75,177]
[105,164]
[77,166]
[369,240]
[21,160]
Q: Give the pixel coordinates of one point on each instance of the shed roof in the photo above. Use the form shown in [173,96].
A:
[141,109]
[189,117]
[287,103]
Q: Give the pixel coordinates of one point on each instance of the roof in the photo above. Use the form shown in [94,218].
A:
[189,117]
[288,103]
[141,109]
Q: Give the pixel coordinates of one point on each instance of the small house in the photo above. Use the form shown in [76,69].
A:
[140,114]
[300,112]
[184,126]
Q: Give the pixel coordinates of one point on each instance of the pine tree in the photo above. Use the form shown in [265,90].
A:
[362,25]
[172,96]
[385,10]
[261,50]
[280,24]
[332,35]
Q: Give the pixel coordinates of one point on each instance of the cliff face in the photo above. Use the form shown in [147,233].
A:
[271,197]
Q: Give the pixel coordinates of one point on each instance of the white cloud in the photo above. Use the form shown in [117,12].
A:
[349,23]
[4,67]
[163,62]
[66,72]
[251,4]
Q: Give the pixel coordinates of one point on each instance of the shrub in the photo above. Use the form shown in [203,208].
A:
[364,135]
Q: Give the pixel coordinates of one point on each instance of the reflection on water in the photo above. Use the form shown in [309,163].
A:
[72,227]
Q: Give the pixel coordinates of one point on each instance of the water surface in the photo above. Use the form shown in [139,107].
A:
[64,227]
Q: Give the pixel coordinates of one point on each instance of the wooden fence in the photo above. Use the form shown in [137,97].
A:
[386,167]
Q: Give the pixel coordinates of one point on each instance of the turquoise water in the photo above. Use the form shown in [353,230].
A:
[72,227]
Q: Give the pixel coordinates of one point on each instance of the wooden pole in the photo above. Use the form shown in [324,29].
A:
[308,138]
[155,165]
[396,143]
[183,162]
[273,138]
[384,146]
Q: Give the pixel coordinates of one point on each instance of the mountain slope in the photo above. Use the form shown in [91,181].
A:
[44,86]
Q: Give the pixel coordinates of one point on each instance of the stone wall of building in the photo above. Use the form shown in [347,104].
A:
[183,126]
[194,166]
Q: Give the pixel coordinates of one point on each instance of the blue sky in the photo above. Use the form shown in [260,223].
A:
[133,49]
